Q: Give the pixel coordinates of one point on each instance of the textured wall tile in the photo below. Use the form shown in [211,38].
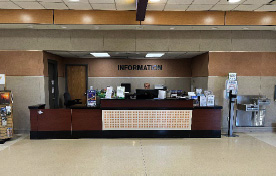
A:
[184,40]
[54,40]
[199,82]
[27,90]
[215,41]
[119,41]
[87,40]
[152,40]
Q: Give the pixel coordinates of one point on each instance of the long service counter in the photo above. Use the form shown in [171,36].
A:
[117,118]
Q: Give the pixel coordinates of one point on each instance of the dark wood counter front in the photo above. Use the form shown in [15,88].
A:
[140,118]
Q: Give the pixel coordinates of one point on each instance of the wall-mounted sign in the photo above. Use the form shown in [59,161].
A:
[2,79]
[139,67]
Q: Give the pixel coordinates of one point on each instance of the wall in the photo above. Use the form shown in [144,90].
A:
[175,73]
[256,76]
[24,76]
[139,40]
[200,71]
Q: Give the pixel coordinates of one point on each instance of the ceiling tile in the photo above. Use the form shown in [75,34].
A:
[180,1]
[102,1]
[103,6]
[126,1]
[80,1]
[30,5]
[267,8]
[8,5]
[205,2]
[79,6]
[247,7]
[54,5]
[125,6]
[158,7]
[226,2]
[256,1]
[157,2]
[224,7]
[176,7]
[22,0]
[50,0]
[199,7]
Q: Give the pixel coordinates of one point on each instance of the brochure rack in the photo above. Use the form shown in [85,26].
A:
[6,121]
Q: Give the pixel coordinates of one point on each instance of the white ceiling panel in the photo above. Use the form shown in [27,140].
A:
[205,2]
[180,1]
[158,7]
[22,0]
[157,2]
[199,7]
[8,5]
[257,1]
[224,7]
[32,5]
[79,6]
[126,6]
[103,6]
[54,5]
[267,8]
[247,7]
[176,7]
[102,1]
[227,2]
[50,1]
[80,1]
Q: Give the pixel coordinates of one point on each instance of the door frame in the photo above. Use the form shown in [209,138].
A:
[55,63]
[86,74]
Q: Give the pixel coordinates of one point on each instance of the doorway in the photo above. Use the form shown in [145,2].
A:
[53,84]
[77,81]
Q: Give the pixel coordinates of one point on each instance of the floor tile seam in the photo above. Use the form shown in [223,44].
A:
[13,142]
[143,157]
[262,140]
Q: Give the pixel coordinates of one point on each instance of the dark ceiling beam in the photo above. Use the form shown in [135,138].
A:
[141,8]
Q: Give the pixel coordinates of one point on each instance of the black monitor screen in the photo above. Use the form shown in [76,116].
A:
[127,87]
[146,93]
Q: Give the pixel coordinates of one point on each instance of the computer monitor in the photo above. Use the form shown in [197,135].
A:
[146,93]
[127,87]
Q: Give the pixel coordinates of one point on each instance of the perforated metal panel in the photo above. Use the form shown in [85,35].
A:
[146,119]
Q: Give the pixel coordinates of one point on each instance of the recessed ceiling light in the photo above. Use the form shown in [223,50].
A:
[233,1]
[155,54]
[63,27]
[100,54]
[172,28]
[152,1]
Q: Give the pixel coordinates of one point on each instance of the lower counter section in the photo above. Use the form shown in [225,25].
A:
[126,134]
[182,121]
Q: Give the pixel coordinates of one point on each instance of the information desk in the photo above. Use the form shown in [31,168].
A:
[127,119]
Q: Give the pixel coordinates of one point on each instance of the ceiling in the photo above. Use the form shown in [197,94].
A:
[126,55]
[161,5]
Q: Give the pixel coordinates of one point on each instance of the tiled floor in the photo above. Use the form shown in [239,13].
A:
[252,154]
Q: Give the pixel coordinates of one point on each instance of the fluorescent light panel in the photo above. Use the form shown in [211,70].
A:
[155,54]
[100,54]
[233,1]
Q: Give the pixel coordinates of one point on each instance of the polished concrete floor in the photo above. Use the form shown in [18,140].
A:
[248,154]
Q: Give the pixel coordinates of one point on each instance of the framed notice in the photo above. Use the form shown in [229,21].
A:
[2,79]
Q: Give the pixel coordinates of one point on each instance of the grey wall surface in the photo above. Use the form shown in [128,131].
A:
[199,82]
[140,40]
[27,90]
[248,85]
[138,82]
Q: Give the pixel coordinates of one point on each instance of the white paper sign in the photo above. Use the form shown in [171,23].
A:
[2,79]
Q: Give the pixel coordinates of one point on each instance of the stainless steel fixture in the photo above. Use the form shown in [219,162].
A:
[251,110]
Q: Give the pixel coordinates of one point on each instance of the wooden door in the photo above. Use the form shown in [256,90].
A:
[77,82]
